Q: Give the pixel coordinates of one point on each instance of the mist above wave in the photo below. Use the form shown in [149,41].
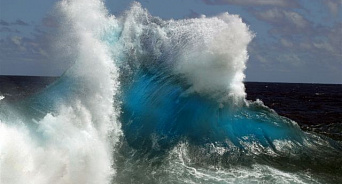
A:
[208,53]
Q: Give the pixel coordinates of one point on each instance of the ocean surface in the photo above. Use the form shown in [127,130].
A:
[148,100]
[315,107]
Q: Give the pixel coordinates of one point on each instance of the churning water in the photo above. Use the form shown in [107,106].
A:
[155,101]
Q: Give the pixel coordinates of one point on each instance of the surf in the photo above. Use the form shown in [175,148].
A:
[151,100]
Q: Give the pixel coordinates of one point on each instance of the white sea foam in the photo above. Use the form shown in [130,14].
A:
[209,52]
[216,60]
[74,144]
[70,150]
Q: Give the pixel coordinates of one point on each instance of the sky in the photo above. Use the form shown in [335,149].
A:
[298,41]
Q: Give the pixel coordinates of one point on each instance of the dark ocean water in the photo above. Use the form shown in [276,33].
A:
[15,88]
[315,107]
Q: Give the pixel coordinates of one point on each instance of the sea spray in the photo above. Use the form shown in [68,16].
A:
[208,53]
[182,85]
[175,89]
[73,142]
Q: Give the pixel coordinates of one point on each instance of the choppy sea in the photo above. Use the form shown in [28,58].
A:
[148,100]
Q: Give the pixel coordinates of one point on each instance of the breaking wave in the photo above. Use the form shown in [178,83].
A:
[153,101]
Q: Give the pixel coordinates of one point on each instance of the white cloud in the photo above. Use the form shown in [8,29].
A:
[295,18]
[279,3]
[323,45]
[17,40]
[286,43]
[270,15]
[279,16]
[334,6]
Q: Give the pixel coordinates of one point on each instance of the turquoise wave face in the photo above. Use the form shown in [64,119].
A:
[180,85]
[161,118]
[158,111]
